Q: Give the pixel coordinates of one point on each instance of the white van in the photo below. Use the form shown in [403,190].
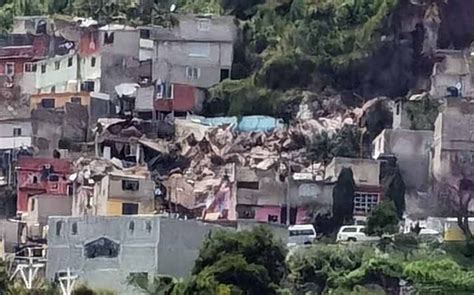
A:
[354,233]
[301,234]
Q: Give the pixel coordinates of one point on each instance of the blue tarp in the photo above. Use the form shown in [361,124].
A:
[259,123]
[246,123]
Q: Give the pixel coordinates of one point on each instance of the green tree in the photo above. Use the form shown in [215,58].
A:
[248,261]
[345,143]
[343,197]
[394,187]
[423,113]
[383,219]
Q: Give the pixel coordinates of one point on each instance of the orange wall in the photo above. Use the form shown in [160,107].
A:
[60,98]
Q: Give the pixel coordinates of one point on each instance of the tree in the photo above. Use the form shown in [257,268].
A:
[383,219]
[394,187]
[343,197]
[160,285]
[250,261]
[344,143]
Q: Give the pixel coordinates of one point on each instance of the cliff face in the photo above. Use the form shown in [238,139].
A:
[404,60]
[457,26]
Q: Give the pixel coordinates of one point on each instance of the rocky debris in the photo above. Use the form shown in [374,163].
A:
[90,170]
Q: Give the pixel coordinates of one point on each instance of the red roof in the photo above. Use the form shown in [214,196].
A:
[37,164]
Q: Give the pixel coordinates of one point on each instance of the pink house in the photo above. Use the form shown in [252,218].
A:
[41,176]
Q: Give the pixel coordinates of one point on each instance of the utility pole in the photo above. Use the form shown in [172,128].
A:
[67,282]
[28,270]
[288,211]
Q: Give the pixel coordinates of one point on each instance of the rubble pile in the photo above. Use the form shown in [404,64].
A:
[89,170]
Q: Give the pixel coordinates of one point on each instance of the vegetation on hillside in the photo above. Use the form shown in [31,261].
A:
[287,45]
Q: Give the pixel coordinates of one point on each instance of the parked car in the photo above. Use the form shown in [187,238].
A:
[356,233]
[301,234]
[427,234]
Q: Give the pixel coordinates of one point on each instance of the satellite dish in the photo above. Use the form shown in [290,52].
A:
[173,7]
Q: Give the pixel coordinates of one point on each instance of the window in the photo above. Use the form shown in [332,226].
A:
[248,185]
[43,69]
[102,247]
[199,49]
[130,185]
[93,61]
[57,65]
[74,228]
[70,190]
[398,109]
[76,99]
[272,218]
[32,207]
[148,226]
[225,74]
[16,131]
[144,34]
[193,73]
[88,86]
[131,226]
[169,91]
[48,103]
[59,225]
[30,67]
[301,232]
[10,69]
[204,25]
[69,62]
[364,203]
[129,209]
[109,38]
[53,178]
[350,230]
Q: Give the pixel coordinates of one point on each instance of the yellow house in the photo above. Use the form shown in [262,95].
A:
[58,100]
[125,194]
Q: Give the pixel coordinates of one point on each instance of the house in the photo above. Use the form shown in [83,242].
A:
[412,149]
[401,119]
[452,74]
[40,59]
[262,196]
[453,143]
[366,173]
[114,191]
[40,208]
[198,51]
[120,63]
[177,98]
[104,250]
[37,176]
[59,128]
[59,100]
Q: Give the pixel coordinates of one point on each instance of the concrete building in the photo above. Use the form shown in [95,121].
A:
[263,197]
[412,148]
[41,176]
[15,134]
[366,173]
[178,98]
[40,208]
[452,69]
[117,193]
[120,63]
[198,51]
[105,251]
[453,144]
[59,128]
